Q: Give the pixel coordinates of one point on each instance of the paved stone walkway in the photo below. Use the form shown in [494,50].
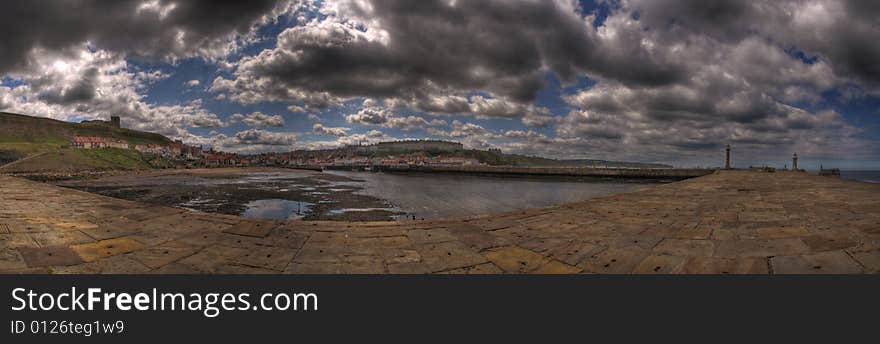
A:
[728,222]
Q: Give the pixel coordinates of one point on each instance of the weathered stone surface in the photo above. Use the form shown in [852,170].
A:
[251,228]
[176,269]
[659,264]
[286,237]
[320,253]
[476,237]
[314,268]
[118,264]
[614,260]
[778,232]
[106,248]
[869,259]
[481,269]
[430,236]
[110,231]
[545,244]
[65,238]
[49,256]
[728,222]
[712,265]
[10,260]
[164,254]
[448,255]
[514,259]
[556,267]
[833,262]
[575,252]
[685,247]
[212,259]
[272,258]
[358,264]
[410,268]
[14,240]
[828,242]
[760,248]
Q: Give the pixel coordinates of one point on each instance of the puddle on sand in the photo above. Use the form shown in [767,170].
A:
[277,209]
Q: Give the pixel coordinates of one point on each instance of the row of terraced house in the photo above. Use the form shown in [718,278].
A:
[174,150]
[92,142]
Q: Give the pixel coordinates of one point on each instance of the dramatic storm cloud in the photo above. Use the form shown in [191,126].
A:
[157,28]
[646,80]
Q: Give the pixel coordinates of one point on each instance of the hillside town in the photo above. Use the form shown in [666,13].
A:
[386,154]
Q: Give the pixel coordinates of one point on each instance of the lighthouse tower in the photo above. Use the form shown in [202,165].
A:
[727,158]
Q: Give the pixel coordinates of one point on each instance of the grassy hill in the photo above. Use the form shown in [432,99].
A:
[41,144]
[20,128]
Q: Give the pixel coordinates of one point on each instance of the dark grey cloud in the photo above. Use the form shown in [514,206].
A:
[149,29]
[82,90]
[420,51]
[841,33]
[431,47]
[262,137]
[431,55]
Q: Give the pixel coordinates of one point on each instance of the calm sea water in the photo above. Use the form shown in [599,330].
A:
[864,176]
[448,195]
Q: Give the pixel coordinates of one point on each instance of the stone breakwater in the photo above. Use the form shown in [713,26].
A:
[609,172]
[726,222]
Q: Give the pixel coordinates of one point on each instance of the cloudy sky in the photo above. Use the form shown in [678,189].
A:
[639,80]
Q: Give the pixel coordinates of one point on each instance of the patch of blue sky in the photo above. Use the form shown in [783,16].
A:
[600,10]
[10,82]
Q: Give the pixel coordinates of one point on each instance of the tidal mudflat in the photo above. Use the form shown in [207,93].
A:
[268,193]
[285,194]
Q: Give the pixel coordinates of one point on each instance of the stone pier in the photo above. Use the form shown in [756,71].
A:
[734,222]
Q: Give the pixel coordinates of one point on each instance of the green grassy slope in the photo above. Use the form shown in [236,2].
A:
[68,160]
[25,136]
[20,128]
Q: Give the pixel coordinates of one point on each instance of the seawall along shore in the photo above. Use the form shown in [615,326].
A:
[654,173]
[725,222]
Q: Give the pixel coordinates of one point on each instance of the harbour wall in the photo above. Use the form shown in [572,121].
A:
[660,173]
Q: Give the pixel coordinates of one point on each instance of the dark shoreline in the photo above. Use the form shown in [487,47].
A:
[202,190]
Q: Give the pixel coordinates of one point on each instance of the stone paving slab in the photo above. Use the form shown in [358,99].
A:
[252,228]
[870,260]
[615,260]
[730,222]
[164,254]
[660,264]
[49,256]
[834,262]
[106,248]
[713,265]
